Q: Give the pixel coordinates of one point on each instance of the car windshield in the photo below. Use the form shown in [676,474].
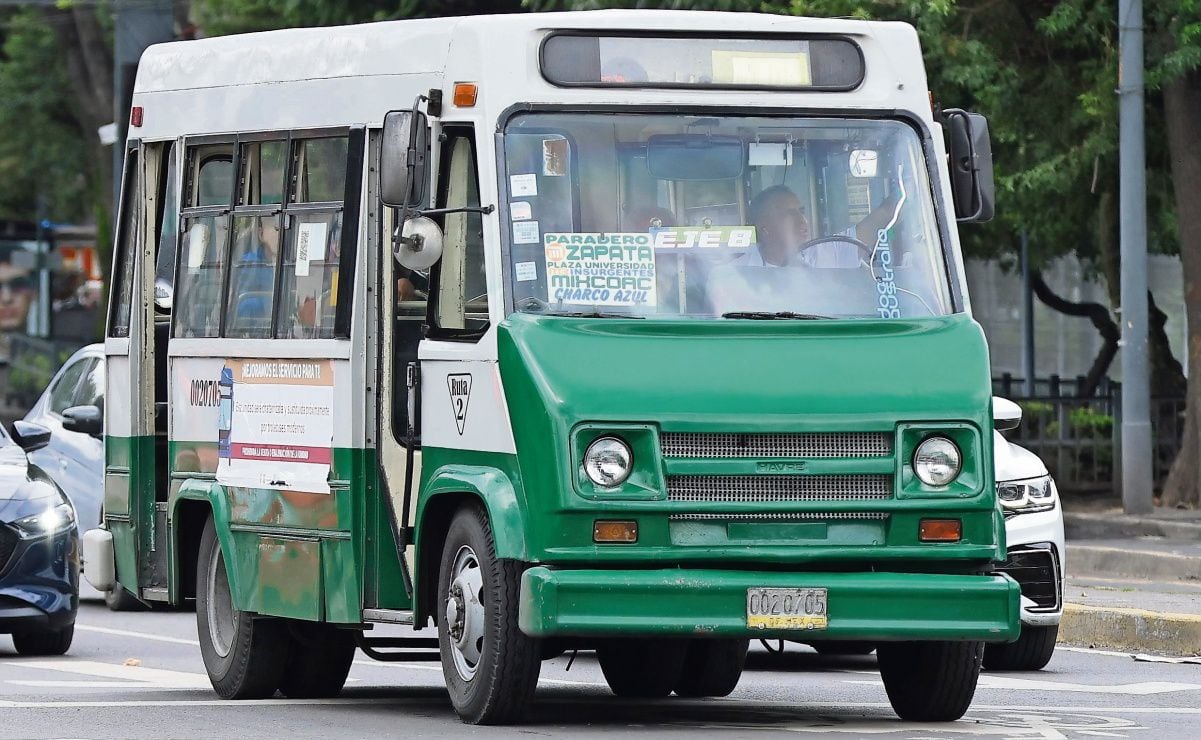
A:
[737,217]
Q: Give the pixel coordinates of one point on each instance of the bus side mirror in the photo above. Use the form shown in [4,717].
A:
[1006,415]
[403,156]
[970,152]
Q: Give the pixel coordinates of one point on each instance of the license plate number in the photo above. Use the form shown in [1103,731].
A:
[786,608]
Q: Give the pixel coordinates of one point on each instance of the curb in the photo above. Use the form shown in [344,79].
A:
[1136,630]
[1102,561]
[1087,525]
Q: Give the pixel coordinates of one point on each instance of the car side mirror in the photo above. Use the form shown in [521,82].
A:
[404,152]
[970,152]
[1006,415]
[30,436]
[84,419]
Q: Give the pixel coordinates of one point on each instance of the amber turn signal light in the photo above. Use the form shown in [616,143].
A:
[605,531]
[465,94]
[940,530]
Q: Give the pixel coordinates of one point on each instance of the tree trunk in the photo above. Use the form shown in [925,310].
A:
[1094,312]
[1182,114]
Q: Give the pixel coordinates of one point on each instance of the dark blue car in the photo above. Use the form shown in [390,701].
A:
[39,551]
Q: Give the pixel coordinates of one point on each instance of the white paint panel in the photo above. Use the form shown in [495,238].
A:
[485,414]
[118,415]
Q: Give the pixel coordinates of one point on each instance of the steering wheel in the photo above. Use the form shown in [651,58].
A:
[865,251]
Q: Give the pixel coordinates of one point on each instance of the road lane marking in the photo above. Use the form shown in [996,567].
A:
[140,635]
[133,676]
[1143,688]
[438,668]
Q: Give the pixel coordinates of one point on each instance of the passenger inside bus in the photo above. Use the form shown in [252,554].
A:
[255,279]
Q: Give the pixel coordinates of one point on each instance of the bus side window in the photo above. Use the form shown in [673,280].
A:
[460,291]
[313,244]
[126,257]
[256,240]
[203,245]
[168,231]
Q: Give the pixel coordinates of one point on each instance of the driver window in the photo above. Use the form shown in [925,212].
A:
[461,296]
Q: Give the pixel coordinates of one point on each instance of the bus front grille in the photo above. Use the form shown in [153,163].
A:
[781,516]
[772,488]
[727,445]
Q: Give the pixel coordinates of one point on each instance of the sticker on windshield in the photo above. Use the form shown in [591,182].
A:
[525,232]
[526,271]
[554,157]
[600,269]
[520,210]
[523,186]
[699,237]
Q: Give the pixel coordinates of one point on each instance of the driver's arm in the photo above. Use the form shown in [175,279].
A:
[866,230]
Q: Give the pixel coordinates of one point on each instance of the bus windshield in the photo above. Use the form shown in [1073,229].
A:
[740,217]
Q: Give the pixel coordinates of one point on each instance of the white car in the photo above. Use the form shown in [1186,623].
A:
[1034,541]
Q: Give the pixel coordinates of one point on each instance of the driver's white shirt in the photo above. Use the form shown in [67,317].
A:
[827,255]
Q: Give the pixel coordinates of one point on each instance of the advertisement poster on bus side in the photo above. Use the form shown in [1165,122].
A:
[276,426]
[600,269]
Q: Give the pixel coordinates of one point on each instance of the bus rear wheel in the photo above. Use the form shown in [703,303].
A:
[491,666]
[930,681]
[712,667]
[245,656]
[1031,652]
[642,668]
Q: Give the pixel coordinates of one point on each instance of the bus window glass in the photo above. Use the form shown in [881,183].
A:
[168,236]
[252,276]
[319,170]
[201,271]
[462,292]
[131,203]
[214,180]
[263,166]
[803,226]
[309,294]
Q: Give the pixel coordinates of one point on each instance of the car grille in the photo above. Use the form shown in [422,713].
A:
[8,543]
[772,488]
[1036,569]
[726,445]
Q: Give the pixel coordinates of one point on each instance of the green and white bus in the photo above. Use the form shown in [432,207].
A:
[638,332]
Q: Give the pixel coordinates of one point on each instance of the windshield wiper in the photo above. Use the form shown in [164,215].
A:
[593,315]
[769,315]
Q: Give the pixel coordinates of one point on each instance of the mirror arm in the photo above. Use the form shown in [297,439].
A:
[463,209]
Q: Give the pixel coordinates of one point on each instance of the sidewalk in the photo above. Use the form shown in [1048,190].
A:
[1133,583]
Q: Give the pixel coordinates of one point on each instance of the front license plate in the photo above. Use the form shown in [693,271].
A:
[786,608]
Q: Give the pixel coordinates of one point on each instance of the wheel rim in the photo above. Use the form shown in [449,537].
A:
[219,606]
[465,613]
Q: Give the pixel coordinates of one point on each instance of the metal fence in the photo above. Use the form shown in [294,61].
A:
[1079,438]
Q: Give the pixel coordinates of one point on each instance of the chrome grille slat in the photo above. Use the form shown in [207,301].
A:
[768,488]
[733,445]
[780,516]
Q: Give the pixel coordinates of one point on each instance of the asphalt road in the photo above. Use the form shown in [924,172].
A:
[140,675]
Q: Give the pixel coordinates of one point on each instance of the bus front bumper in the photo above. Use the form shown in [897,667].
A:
[713,603]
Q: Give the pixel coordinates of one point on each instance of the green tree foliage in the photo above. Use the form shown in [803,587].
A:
[41,153]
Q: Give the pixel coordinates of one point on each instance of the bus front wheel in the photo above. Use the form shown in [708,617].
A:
[491,666]
[244,656]
[930,681]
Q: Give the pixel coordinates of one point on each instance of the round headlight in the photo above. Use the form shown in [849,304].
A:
[607,462]
[937,461]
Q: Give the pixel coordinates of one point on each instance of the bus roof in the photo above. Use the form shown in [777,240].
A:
[316,77]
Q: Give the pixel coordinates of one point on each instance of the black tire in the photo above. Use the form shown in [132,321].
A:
[319,660]
[1031,652]
[251,662]
[642,668]
[44,642]
[712,667]
[498,686]
[843,647]
[930,681]
[119,600]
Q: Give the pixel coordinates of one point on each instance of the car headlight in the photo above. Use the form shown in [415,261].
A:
[1026,496]
[53,519]
[607,462]
[937,461]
